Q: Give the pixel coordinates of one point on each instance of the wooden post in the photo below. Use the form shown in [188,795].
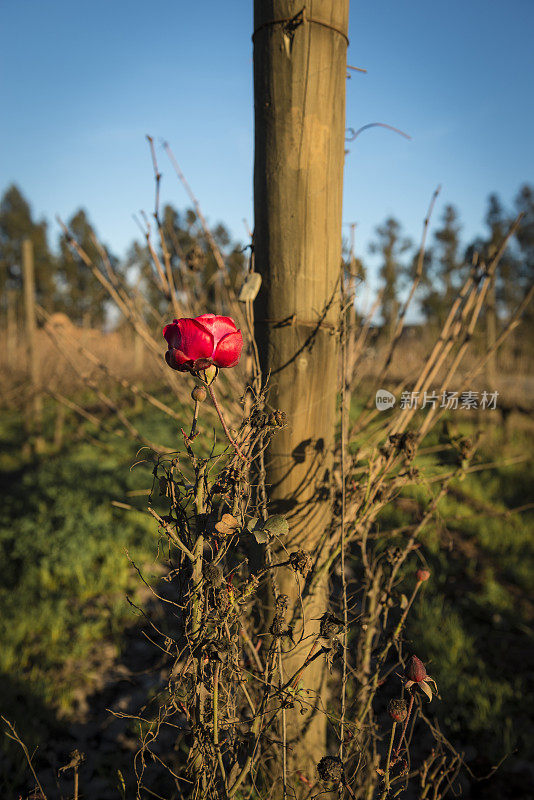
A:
[35,407]
[11,327]
[299,95]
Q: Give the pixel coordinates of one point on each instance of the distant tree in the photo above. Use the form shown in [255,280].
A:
[524,203]
[17,224]
[179,234]
[391,246]
[444,268]
[506,283]
[191,251]
[81,296]
[140,273]
[194,267]
[354,266]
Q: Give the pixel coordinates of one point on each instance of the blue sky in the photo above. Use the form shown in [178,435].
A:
[81,83]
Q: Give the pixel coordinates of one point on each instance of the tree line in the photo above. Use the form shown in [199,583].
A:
[63,282]
[447,262]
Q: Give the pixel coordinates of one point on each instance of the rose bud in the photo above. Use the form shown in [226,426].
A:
[422,575]
[415,670]
[397,710]
[203,342]
[199,394]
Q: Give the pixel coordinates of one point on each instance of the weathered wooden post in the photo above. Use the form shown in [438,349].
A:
[299,94]
[34,419]
[11,327]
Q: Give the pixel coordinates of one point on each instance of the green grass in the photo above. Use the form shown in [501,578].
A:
[65,571]
[473,623]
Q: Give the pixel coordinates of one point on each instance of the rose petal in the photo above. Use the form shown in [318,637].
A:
[195,340]
[201,364]
[177,360]
[171,332]
[228,351]
[217,326]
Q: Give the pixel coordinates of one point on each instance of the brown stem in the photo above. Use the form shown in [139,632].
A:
[388,762]
[223,423]
[195,420]
[406,721]
[216,723]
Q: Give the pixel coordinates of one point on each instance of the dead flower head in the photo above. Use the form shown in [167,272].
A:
[301,561]
[416,675]
[330,626]
[330,768]
[398,710]
[213,574]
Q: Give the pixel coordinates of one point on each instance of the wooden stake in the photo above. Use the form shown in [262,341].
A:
[34,419]
[299,95]
[11,327]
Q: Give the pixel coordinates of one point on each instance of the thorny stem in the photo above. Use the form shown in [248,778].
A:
[406,610]
[216,723]
[172,535]
[388,762]
[256,727]
[195,420]
[406,721]
[309,658]
[196,612]
[223,423]
[383,654]
[198,554]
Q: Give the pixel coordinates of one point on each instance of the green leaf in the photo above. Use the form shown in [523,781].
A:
[276,525]
[260,536]
[252,524]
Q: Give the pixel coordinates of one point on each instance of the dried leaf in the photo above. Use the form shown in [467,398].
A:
[251,287]
[426,689]
[226,525]
[229,520]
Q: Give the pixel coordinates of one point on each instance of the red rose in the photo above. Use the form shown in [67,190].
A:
[196,344]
